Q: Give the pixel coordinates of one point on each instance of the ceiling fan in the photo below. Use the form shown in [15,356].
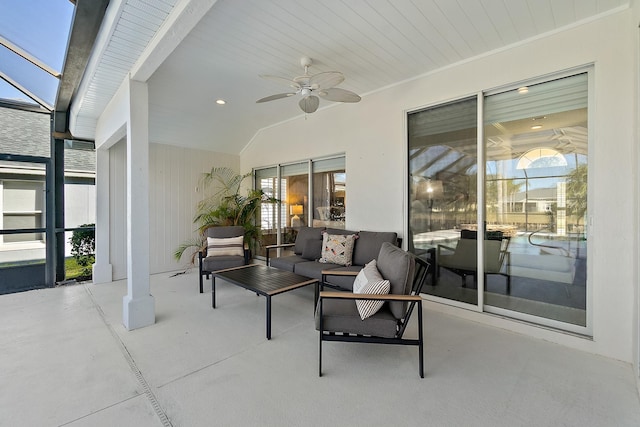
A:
[311,87]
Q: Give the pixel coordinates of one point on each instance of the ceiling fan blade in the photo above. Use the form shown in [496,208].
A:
[339,95]
[309,104]
[274,97]
[326,80]
[281,80]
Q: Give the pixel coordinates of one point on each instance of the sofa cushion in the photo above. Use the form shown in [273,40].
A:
[286,262]
[305,234]
[342,282]
[398,267]
[367,308]
[221,262]
[368,245]
[340,231]
[343,316]
[337,248]
[225,246]
[224,231]
[312,250]
[313,269]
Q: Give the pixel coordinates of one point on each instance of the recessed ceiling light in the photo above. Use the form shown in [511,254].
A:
[534,127]
[523,89]
[221,102]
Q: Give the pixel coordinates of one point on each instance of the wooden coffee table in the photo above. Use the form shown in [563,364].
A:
[262,280]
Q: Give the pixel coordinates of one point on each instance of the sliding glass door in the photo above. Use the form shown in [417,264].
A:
[443,193]
[311,193]
[536,143]
[501,210]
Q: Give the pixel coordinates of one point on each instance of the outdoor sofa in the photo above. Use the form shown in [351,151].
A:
[308,255]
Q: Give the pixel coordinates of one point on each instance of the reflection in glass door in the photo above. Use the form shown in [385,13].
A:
[443,196]
[536,195]
[531,216]
[329,193]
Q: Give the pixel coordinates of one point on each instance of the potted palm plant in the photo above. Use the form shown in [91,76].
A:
[226,206]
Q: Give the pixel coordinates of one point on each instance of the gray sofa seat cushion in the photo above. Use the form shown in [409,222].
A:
[343,316]
[221,262]
[304,235]
[343,282]
[287,262]
[369,243]
[313,269]
[398,267]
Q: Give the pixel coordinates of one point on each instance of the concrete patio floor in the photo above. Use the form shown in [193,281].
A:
[66,360]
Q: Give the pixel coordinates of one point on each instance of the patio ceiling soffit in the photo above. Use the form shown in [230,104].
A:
[167,35]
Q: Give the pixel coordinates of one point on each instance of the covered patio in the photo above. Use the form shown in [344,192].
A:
[68,360]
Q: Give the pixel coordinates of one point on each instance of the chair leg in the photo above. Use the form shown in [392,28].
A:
[320,340]
[420,342]
[201,284]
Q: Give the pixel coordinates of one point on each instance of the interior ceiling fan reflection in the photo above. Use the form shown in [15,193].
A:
[312,88]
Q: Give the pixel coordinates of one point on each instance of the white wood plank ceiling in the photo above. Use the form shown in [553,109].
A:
[375,43]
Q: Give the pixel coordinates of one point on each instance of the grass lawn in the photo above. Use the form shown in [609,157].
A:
[72,269]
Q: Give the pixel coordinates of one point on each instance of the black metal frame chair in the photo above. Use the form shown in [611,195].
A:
[412,299]
[224,261]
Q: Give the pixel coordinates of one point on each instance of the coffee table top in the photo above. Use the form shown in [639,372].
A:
[264,280]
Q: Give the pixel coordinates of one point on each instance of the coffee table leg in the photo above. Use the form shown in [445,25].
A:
[268,317]
[213,291]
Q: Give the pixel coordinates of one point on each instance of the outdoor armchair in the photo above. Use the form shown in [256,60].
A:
[338,317]
[225,249]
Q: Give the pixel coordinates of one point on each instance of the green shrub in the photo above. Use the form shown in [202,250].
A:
[83,247]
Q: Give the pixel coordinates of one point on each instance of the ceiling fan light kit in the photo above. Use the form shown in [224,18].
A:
[312,88]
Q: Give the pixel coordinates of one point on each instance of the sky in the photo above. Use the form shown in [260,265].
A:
[40,27]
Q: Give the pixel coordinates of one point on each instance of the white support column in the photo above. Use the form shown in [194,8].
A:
[138,305]
[102,269]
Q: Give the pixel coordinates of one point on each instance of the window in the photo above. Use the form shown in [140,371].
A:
[530,162]
[311,193]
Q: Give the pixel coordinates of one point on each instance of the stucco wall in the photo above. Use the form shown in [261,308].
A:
[373,135]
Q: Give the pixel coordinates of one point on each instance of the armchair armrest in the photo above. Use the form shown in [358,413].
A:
[448,248]
[282,245]
[339,273]
[269,247]
[384,297]
[326,273]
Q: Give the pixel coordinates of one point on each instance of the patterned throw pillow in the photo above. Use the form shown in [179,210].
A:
[337,248]
[226,246]
[368,308]
[369,273]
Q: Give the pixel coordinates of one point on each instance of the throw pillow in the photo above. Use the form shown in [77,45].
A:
[368,308]
[369,273]
[228,246]
[337,248]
